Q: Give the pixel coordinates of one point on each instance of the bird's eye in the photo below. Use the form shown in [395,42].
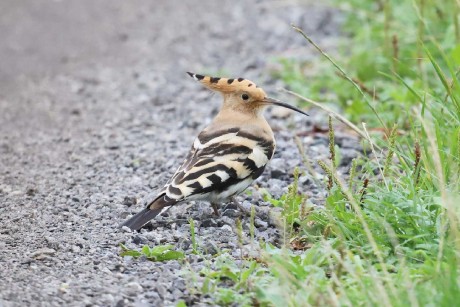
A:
[245,96]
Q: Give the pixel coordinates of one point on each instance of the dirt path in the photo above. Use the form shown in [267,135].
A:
[96,109]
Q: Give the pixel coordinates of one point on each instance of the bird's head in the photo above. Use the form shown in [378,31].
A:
[241,94]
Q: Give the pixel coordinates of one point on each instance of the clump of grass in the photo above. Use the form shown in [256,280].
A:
[405,214]
[231,282]
[292,204]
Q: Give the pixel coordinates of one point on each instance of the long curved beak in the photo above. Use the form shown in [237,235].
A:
[276,102]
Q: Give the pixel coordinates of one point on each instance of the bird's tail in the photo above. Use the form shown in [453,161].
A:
[153,209]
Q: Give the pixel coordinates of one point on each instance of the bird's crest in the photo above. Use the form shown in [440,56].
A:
[229,85]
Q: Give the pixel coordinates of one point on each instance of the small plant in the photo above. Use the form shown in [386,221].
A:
[251,224]
[157,253]
[291,203]
[230,282]
[192,234]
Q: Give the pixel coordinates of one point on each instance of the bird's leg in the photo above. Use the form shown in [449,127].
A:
[216,211]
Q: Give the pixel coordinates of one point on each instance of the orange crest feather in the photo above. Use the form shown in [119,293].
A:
[227,85]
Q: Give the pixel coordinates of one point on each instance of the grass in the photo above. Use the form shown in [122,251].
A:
[394,240]
[157,253]
[388,233]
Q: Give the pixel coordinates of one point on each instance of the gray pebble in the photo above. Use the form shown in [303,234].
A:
[231,213]
[75,249]
[139,239]
[108,298]
[228,220]
[132,288]
[227,228]
[176,293]
[246,206]
[161,291]
[153,296]
[277,173]
[129,201]
[179,283]
[208,223]
[260,224]
[42,252]
[210,247]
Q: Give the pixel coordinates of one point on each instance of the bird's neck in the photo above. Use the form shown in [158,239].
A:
[250,120]
[229,114]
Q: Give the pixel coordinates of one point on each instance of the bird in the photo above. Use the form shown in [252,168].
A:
[226,157]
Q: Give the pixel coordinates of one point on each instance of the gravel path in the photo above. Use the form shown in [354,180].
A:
[96,111]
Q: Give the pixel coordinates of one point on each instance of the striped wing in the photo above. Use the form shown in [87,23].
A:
[219,161]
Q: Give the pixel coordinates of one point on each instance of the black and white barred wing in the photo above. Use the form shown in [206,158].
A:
[219,162]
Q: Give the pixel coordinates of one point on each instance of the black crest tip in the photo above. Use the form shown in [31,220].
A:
[195,76]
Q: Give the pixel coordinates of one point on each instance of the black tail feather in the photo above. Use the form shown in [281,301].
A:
[141,218]
[153,209]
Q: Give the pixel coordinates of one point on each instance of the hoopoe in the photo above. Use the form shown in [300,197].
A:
[226,157]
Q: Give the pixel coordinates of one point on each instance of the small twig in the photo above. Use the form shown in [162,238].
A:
[354,164]
[332,144]
[391,143]
[363,191]
[416,172]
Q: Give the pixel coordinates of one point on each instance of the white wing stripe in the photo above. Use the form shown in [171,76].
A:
[258,156]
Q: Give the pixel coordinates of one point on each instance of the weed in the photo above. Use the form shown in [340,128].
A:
[157,253]
[193,236]
[291,203]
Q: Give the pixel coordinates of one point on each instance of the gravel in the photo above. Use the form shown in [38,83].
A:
[96,112]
